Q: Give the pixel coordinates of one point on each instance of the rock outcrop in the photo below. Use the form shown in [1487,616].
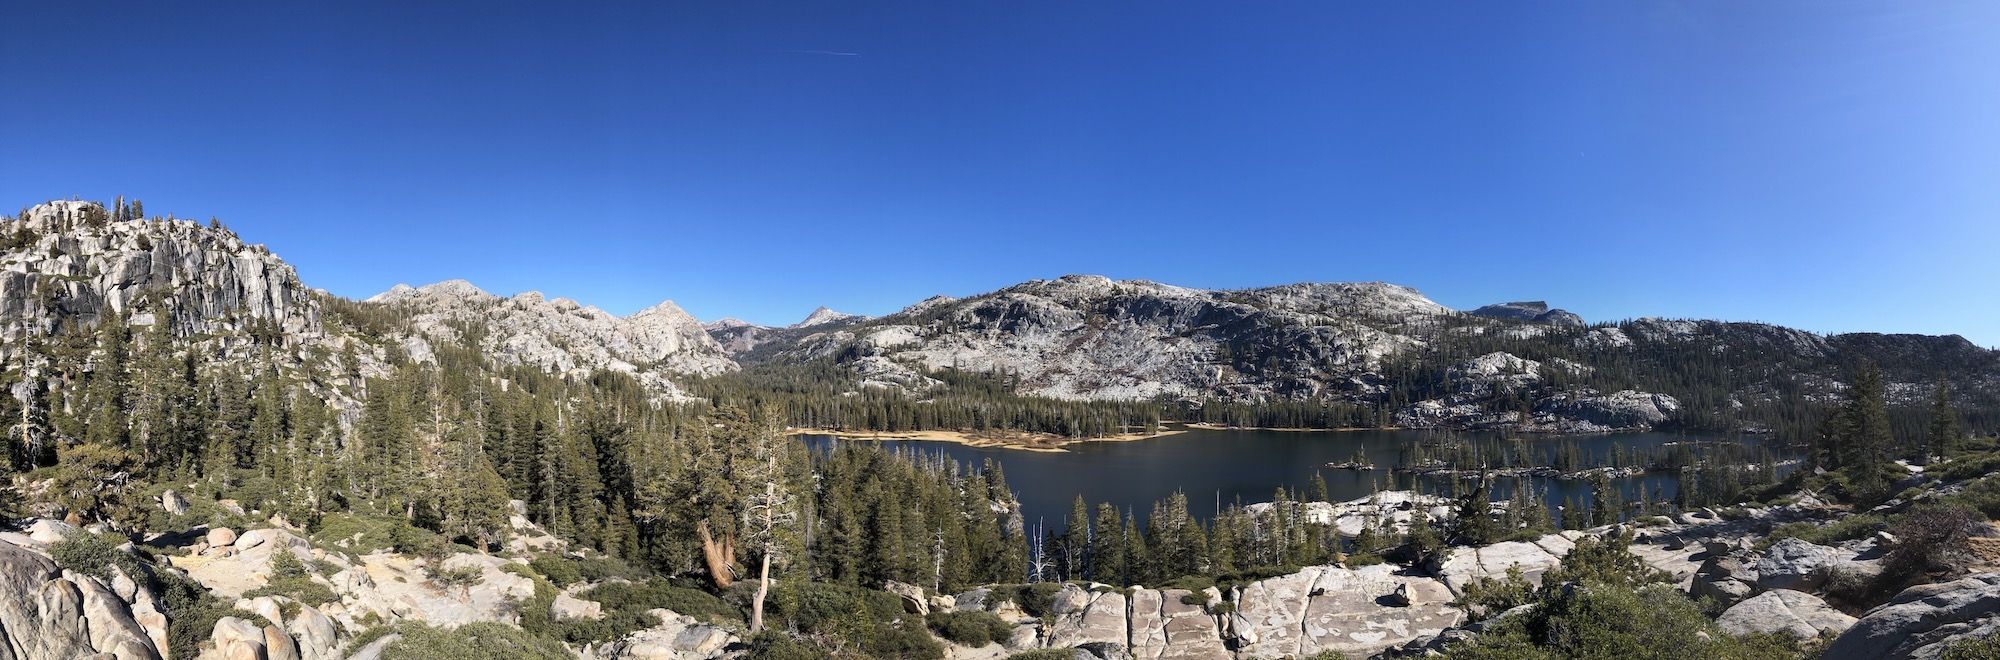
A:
[677,637]
[1531,311]
[46,612]
[1923,620]
[1801,615]
[559,335]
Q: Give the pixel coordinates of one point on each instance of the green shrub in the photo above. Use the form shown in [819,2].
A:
[1970,466]
[1977,648]
[1982,496]
[1602,620]
[1494,595]
[1043,654]
[974,629]
[599,569]
[286,565]
[626,606]
[774,645]
[872,621]
[472,641]
[559,570]
[461,578]
[1035,599]
[1825,533]
[92,555]
[301,589]
[642,596]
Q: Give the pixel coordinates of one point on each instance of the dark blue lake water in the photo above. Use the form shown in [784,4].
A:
[1220,466]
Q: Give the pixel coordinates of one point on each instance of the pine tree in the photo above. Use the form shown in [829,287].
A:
[1944,433]
[1108,547]
[1606,504]
[1860,434]
[1076,541]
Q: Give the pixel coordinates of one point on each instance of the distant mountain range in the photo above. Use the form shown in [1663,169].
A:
[1509,365]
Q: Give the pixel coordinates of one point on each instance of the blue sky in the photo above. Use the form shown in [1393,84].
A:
[1831,166]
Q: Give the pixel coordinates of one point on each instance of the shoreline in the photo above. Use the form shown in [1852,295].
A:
[1211,426]
[1016,440]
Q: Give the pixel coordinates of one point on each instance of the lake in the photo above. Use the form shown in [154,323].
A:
[1220,466]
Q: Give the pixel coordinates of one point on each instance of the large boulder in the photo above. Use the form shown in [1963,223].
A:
[1464,565]
[221,537]
[1922,620]
[43,615]
[914,601]
[570,608]
[172,502]
[48,530]
[1795,613]
[1358,612]
[677,637]
[1795,564]
[1101,619]
[1166,626]
[110,622]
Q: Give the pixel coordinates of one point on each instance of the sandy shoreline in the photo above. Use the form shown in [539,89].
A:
[1019,440]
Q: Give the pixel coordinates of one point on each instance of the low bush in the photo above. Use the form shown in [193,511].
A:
[558,569]
[870,621]
[1825,533]
[626,607]
[774,645]
[1035,599]
[1969,466]
[1982,496]
[974,629]
[471,641]
[92,554]
[456,579]
[300,589]
[1487,595]
[1930,540]
[1977,648]
[1043,654]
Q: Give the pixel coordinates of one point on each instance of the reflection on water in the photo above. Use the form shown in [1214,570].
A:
[1221,467]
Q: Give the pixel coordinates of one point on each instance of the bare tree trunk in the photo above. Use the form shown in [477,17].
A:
[718,555]
[763,588]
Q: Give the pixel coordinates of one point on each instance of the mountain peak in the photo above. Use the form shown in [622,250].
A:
[1531,311]
[824,315]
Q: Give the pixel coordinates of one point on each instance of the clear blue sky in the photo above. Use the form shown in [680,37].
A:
[1832,166]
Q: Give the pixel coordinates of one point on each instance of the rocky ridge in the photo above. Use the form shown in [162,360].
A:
[558,334]
[68,264]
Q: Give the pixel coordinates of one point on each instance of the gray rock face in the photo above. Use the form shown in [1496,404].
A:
[1083,617]
[208,281]
[824,316]
[1087,337]
[172,502]
[912,595]
[46,615]
[559,335]
[1922,620]
[678,637]
[1795,613]
[1796,565]
[1531,311]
